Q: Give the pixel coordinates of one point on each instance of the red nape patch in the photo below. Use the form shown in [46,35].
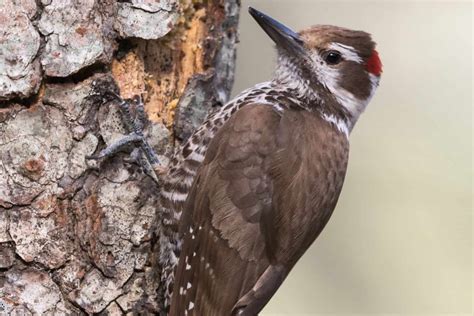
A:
[374,65]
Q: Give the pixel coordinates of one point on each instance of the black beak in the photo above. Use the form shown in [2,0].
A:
[283,36]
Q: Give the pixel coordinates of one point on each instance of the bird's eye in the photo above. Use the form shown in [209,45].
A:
[332,57]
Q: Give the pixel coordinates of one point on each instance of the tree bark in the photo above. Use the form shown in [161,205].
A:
[79,236]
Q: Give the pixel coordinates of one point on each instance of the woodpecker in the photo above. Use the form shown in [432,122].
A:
[255,185]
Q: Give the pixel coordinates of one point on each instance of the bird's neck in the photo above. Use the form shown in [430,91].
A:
[283,96]
[290,77]
[306,95]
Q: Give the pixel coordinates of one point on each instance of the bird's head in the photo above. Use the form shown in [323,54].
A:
[331,65]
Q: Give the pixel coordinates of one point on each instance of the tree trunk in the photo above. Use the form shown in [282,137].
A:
[79,236]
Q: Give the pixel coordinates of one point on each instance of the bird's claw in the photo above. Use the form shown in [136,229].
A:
[134,124]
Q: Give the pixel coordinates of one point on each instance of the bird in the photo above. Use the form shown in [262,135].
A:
[255,185]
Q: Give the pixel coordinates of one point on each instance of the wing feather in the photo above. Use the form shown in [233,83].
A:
[263,194]
[221,220]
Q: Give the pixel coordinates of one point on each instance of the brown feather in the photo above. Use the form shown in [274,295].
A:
[267,187]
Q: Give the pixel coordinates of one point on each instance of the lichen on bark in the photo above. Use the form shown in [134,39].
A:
[20,72]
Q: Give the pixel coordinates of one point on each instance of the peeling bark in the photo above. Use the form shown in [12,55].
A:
[79,236]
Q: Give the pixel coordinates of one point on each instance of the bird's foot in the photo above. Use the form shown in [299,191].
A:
[134,123]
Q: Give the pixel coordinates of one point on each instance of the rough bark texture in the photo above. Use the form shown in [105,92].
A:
[78,236]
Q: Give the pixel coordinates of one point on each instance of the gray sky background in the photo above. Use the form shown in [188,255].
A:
[400,240]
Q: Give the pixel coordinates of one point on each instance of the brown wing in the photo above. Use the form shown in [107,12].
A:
[236,212]
[223,250]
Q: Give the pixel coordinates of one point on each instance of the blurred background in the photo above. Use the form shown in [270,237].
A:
[400,240]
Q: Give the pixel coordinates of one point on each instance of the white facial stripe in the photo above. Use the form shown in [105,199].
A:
[347,52]
[354,105]
[374,83]
[329,77]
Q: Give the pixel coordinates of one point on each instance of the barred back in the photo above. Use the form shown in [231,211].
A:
[182,169]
